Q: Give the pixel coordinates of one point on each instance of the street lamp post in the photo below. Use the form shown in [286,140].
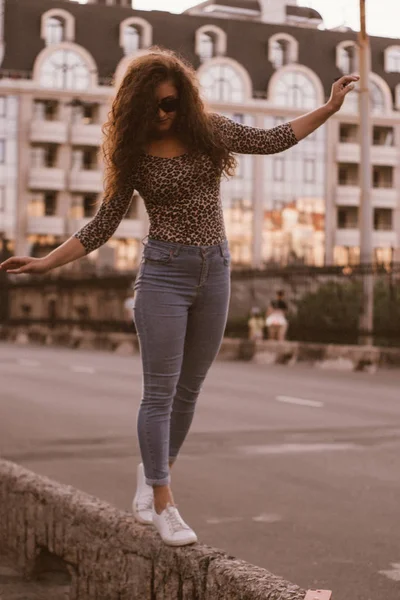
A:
[366,211]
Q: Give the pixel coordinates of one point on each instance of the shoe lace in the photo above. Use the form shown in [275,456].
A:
[174,520]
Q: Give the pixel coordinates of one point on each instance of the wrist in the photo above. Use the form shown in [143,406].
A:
[330,109]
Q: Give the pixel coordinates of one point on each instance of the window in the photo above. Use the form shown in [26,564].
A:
[383,136]
[279,168]
[50,204]
[283,49]
[222,83]
[2,152]
[383,219]
[348,174]
[347,217]
[294,89]
[382,177]
[44,156]
[280,53]
[45,110]
[206,46]
[65,69]
[347,58]
[348,133]
[3,106]
[392,59]
[309,170]
[2,198]
[86,114]
[55,30]
[89,205]
[84,159]
[377,98]
[131,39]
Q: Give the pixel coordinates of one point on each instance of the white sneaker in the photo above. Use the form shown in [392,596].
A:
[172,528]
[142,505]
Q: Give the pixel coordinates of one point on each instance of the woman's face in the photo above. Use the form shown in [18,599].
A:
[167,102]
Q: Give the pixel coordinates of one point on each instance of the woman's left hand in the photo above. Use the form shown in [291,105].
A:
[340,89]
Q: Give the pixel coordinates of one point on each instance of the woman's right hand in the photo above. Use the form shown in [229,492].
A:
[25,264]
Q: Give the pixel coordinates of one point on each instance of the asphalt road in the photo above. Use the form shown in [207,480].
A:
[290,468]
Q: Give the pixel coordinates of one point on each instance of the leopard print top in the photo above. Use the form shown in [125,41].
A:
[182,194]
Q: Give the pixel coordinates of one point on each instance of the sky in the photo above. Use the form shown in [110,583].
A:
[383,16]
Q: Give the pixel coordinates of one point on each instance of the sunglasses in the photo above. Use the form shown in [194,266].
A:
[169,104]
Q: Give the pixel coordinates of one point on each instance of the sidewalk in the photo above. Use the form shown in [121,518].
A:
[14,587]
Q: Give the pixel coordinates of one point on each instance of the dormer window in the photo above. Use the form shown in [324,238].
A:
[135,34]
[55,30]
[392,59]
[206,46]
[347,57]
[210,42]
[282,50]
[132,39]
[58,25]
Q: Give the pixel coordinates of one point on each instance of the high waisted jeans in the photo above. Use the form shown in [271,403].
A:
[180,310]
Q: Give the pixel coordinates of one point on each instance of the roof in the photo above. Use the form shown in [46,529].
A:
[97,30]
[303,12]
[245,4]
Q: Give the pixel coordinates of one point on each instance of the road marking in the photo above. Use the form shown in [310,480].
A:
[26,362]
[299,401]
[394,573]
[267,518]
[79,369]
[294,448]
[216,521]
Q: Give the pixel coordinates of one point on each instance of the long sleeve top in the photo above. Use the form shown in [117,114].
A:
[182,194]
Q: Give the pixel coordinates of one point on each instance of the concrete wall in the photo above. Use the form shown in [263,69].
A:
[110,557]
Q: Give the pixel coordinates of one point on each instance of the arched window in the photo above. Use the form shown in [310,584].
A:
[295,90]
[347,57]
[222,83]
[392,59]
[132,39]
[206,46]
[57,26]
[210,41]
[135,34]
[377,99]
[282,50]
[65,69]
[55,30]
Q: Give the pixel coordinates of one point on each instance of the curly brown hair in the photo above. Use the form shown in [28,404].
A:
[131,118]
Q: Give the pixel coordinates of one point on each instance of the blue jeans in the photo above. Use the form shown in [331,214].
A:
[180,311]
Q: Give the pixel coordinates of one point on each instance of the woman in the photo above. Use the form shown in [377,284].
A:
[161,141]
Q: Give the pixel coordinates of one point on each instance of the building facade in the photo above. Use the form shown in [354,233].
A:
[260,62]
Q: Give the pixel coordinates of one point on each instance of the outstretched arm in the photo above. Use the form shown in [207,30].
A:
[243,139]
[306,124]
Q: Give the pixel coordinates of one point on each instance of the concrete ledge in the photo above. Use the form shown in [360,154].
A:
[109,556]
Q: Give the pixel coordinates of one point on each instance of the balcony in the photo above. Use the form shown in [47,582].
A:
[46,225]
[86,135]
[348,152]
[86,181]
[384,197]
[128,228]
[348,195]
[46,178]
[53,132]
[351,238]
[380,155]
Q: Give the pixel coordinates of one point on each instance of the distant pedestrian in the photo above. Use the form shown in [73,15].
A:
[162,141]
[256,325]
[276,321]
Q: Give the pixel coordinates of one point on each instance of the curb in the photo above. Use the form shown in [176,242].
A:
[108,556]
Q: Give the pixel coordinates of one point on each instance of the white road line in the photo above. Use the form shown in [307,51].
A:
[299,401]
[79,369]
[267,518]
[295,448]
[216,521]
[394,573]
[26,362]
